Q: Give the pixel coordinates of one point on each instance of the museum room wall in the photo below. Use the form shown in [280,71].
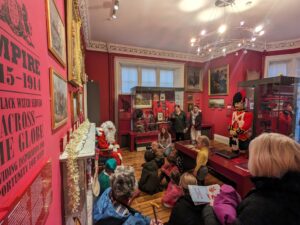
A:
[238,66]
[100,67]
[33,41]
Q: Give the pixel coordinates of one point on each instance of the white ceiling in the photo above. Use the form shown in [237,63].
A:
[170,24]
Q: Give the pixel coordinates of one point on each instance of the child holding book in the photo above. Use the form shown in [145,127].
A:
[201,170]
[173,192]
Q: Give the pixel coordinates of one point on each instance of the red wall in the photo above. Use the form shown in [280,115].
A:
[238,66]
[37,20]
[100,67]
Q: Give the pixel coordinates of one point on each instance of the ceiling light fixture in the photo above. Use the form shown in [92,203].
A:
[216,43]
[115,8]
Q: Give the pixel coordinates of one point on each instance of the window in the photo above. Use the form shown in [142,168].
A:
[148,77]
[166,78]
[129,78]
[278,68]
[298,68]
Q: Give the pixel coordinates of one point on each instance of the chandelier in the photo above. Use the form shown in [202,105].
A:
[226,38]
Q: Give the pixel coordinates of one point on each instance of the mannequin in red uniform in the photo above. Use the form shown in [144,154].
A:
[285,120]
[240,124]
[106,140]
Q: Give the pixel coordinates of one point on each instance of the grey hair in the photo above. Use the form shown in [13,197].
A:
[123,182]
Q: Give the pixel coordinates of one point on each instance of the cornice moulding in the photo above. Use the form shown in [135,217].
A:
[283,45]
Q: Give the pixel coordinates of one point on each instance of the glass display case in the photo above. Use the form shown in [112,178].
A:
[275,105]
[152,107]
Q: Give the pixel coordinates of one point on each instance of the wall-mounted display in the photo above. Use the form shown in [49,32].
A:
[160,116]
[216,103]
[56,32]
[76,71]
[218,81]
[74,106]
[58,93]
[143,100]
[193,79]
[190,107]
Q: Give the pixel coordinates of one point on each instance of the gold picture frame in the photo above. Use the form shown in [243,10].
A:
[56,34]
[218,81]
[74,106]
[58,94]
[76,68]
[193,79]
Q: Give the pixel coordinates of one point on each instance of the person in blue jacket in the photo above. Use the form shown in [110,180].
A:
[112,207]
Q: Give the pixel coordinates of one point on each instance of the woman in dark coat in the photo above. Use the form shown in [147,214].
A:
[274,163]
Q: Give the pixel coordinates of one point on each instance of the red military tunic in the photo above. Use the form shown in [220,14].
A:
[241,123]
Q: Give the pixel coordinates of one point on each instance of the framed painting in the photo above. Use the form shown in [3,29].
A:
[190,107]
[56,32]
[58,93]
[193,79]
[142,100]
[81,106]
[216,103]
[218,81]
[76,68]
[160,116]
[74,106]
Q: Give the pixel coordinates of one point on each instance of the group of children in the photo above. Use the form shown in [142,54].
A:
[161,170]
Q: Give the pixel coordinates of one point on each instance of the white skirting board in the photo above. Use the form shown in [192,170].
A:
[221,139]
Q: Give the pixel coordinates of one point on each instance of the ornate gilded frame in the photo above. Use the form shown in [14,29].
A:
[76,71]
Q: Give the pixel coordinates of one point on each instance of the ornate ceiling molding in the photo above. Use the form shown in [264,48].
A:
[156,53]
[283,45]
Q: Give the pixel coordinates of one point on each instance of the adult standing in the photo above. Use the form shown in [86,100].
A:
[178,119]
[195,123]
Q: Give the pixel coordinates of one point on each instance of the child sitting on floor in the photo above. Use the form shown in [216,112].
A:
[149,182]
[159,158]
[173,192]
[201,170]
[104,177]
[169,166]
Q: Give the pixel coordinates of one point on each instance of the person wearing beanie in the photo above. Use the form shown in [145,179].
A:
[110,166]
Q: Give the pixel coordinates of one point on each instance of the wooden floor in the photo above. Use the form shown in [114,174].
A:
[142,203]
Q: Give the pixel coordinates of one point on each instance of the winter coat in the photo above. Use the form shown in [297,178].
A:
[171,195]
[105,213]
[149,182]
[178,121]
[198,120]
[274,202]
[185,212]
[225,204]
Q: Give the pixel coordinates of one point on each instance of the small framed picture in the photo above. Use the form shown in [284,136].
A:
[58,93]
[216,103]
[160,116]
[162,97]
[190,107]
[56,32]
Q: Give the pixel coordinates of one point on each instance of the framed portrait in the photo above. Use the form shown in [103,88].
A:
[160,116]
[76,68]
[58,93]
[74,106]
[80,102]
[162,97]
[190,106]
[216,103]
[190,98]
[56,32]
[142,100]
[193,79]
[218,81]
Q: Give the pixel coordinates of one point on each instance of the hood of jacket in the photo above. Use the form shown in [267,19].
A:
[150,166]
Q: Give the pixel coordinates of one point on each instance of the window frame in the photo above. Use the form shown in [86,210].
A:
[291,59]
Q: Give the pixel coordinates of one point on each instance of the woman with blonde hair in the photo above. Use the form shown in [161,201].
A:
[274,163]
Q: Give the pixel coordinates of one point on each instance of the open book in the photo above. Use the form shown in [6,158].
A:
[204,194]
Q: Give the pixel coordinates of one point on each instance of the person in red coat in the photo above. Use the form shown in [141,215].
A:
[106,141]
[240,125]
[285,120]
